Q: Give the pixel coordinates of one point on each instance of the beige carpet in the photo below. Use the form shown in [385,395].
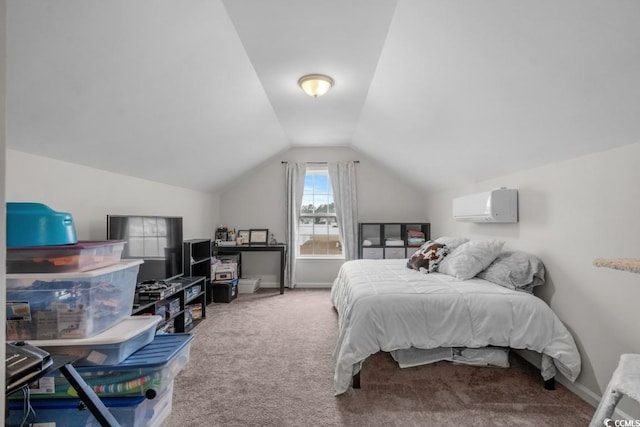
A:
[265,360]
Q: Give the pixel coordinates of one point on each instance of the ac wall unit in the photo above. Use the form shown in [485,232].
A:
[496,206]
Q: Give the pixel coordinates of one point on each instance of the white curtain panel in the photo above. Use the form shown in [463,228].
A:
[343,182]
[295,173]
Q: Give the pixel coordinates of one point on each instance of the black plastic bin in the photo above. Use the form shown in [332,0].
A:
[225,291]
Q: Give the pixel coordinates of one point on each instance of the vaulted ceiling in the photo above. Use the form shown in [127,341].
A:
[195,93]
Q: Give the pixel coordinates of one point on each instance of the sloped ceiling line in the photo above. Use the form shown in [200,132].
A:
[441,93]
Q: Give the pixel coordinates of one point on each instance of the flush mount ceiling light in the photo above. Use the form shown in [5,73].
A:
[315,84]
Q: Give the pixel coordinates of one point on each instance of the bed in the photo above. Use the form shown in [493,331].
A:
[383,305]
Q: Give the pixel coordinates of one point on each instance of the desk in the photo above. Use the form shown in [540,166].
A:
[85,392]
[281,248]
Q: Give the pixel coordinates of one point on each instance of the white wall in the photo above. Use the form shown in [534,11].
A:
[257,200]
[89,195]
[570,213]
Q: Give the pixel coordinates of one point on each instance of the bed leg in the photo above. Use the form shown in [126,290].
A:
[550,384]
[356,380]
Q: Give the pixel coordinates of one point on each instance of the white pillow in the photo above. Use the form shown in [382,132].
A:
[470,258]
[451,242]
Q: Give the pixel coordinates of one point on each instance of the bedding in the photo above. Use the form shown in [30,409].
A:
[384,306]
[515,270]
[485,356]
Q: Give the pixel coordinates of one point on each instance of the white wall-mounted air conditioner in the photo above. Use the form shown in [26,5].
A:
[499,205]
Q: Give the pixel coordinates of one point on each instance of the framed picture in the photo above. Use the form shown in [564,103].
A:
[258,236]
[245,236]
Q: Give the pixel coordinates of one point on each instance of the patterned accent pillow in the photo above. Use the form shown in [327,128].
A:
[418,252]
[428,257]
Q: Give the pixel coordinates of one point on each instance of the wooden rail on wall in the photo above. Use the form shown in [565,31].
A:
[625,264]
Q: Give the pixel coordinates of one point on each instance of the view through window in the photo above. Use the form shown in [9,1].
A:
[318,232]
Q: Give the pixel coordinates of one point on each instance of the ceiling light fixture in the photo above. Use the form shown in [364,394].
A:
[315,84]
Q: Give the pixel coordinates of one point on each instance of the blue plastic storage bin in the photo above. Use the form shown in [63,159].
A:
[128,411]
[36,224]
[147,372]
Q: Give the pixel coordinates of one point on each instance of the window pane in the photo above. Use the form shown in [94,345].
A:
[307,205]
[318,228]
[321,183]
[308,184]
[332,207]
[319,237]
[321,203]
[306,244]
[306,221]
[335,244]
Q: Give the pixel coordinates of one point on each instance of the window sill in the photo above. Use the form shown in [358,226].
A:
[320,258]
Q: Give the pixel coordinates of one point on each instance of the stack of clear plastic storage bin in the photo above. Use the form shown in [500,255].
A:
[66,300]
[75,298]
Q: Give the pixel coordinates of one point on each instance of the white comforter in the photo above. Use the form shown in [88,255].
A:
[383,305]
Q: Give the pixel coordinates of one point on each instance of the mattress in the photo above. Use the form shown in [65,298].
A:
[384,306]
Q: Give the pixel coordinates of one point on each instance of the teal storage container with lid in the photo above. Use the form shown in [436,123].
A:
[36,224]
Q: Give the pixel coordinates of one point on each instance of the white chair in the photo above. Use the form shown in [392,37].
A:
[625,381]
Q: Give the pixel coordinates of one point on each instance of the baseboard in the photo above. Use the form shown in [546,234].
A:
[306,285]
[579,390]
[314,285]
[264,284]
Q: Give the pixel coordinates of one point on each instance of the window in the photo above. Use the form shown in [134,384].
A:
[318,233]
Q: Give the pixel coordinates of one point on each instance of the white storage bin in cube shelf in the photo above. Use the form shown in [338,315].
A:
[372,253]
[46,306]
[128,411]
[109,347]
[394,253]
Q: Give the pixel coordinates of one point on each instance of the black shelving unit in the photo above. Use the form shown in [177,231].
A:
[197,261]
[375,234]
[188,291]
[197,258]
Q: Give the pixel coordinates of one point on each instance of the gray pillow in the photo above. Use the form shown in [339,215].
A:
[515,270]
